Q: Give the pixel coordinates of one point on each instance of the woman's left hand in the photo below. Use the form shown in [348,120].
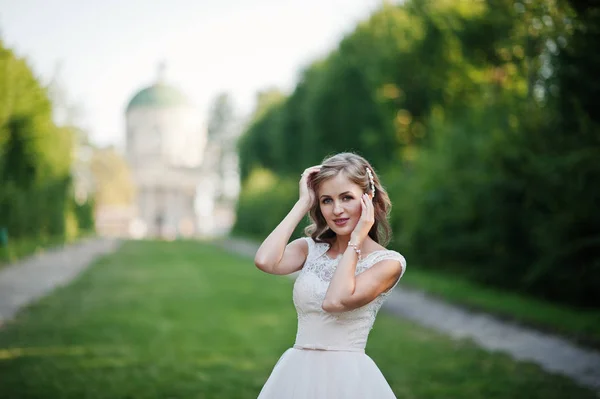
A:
[367,218]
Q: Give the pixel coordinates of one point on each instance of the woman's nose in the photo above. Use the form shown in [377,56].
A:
[338,209]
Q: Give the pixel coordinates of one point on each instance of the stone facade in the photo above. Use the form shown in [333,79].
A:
[179,175]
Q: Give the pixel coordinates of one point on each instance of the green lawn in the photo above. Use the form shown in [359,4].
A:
[576,324]
[185,320]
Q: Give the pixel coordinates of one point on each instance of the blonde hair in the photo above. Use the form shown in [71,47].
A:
[354,167]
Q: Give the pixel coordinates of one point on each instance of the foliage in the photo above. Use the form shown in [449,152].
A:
[36,200]
[222,115]
[112,178]
[258,212]
[481,119]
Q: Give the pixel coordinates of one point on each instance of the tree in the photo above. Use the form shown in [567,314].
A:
[222,118]
[113,181]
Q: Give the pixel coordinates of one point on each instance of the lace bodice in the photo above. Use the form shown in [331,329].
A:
[322,330]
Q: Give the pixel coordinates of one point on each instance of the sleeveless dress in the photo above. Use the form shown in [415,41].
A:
[328,360]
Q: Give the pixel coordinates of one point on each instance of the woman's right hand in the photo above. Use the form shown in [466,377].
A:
[307,194]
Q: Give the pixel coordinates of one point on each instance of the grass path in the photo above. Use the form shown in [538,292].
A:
[185,320]
[575,324]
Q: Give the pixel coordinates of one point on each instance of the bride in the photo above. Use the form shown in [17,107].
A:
[345,273]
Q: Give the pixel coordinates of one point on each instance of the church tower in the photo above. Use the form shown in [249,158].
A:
[165,144]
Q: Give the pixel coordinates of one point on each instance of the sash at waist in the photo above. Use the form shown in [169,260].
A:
[327,348]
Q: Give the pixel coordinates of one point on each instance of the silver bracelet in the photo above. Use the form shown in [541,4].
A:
[356,249]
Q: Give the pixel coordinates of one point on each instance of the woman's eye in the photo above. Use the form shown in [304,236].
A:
[326,200]
[347,198]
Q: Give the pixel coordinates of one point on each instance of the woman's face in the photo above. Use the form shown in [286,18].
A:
[339,201]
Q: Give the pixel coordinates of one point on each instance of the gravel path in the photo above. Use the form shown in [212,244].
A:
[552,353]
[34,277]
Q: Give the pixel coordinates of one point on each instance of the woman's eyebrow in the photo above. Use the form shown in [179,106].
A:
[344,193]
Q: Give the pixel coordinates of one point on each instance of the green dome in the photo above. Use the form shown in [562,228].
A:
[158,95]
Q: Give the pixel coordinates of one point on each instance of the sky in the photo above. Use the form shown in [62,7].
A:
[102,52]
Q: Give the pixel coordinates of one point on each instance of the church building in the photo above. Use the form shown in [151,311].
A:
[179,174]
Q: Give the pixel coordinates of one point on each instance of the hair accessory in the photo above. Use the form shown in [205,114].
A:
[371,181]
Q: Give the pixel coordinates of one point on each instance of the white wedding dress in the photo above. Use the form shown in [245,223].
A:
[328,360]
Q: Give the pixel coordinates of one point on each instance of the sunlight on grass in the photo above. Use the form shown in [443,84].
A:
[107,362]
[53,351]
[13,353]
[186,320]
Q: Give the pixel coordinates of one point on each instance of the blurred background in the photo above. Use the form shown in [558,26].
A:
[193,119]
[132,112]
[174,119]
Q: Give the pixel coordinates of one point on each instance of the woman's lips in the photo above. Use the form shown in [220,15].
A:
[341,222]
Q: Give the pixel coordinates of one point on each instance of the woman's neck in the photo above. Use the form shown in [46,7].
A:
[340,244]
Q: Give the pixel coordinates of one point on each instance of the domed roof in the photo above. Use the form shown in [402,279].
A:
[158,95]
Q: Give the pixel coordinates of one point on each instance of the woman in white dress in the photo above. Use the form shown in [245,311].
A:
[344,276]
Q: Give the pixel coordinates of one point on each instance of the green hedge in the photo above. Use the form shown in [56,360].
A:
[36,196]
[483,124]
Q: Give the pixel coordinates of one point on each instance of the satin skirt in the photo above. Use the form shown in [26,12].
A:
[326,374]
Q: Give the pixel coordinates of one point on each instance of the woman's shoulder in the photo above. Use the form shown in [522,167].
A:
[305,243]
[308,241]
[312,242]
[315,248]
[378,253]
[373,247]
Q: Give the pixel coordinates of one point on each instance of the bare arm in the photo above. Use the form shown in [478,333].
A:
[275,255]
[347,291]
